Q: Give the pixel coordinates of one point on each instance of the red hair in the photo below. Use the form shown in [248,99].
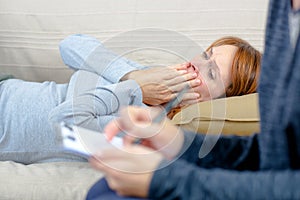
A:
[245,67]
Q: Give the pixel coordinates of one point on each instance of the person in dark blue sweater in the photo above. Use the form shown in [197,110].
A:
[262,166]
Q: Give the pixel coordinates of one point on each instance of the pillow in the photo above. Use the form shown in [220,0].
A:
[232,115]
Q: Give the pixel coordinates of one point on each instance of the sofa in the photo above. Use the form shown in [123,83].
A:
[30,32]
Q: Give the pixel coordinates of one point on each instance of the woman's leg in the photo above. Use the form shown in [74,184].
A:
[83,52]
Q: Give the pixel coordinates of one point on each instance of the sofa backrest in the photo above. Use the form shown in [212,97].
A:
[30,31]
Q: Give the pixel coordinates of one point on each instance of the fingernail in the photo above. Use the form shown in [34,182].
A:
[183,71]
[197,95]
[198,81]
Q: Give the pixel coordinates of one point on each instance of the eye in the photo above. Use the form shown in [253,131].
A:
[204,55]
[211,74]
[211,51]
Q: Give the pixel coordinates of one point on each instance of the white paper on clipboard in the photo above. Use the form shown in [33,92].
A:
[85,142]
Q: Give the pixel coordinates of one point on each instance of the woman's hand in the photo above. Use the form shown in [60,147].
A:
[128,171]
[136,122]
[161,84]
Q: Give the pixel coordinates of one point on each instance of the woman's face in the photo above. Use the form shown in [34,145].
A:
[213,69]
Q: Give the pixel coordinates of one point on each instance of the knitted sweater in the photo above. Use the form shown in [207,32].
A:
[264,165]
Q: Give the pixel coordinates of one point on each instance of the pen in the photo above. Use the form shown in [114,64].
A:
[170,105]
[159,118]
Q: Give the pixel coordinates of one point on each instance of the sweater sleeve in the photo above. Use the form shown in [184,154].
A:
[87,53]
[183,180]
[229,152]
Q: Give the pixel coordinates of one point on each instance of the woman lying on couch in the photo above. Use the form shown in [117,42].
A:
[95,93]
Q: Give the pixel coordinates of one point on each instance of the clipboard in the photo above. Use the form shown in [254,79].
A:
[85,142]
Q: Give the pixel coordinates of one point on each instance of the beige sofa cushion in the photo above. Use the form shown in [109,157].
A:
[47,181]
[234,115]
